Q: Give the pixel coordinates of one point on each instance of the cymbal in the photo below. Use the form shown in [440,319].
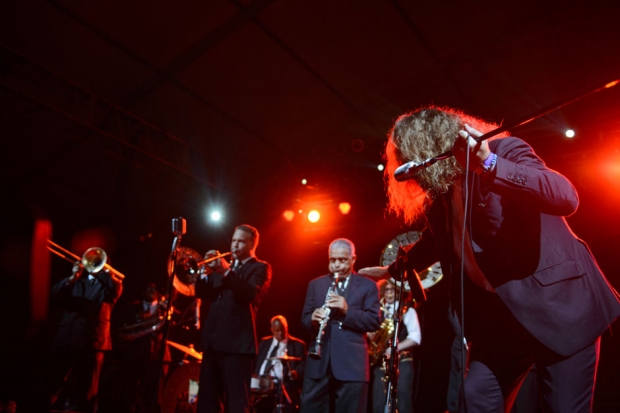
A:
[188,350]
[431,276]
[285,358]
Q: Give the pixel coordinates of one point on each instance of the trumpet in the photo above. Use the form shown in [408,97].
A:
[93,260]
[315,350]
[193,266]
[215,257]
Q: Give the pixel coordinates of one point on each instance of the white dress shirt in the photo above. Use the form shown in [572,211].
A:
[277,369]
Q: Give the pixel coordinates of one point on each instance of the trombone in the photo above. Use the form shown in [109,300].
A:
[93,260]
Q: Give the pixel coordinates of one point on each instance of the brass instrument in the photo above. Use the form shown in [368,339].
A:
[315,350]
[93,260]
[188,269]
[380,340]
[148,326]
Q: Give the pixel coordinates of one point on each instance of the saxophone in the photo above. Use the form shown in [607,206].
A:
[315,350]
[380,340]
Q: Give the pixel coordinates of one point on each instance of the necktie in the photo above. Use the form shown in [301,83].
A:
[237,266]
[269,364]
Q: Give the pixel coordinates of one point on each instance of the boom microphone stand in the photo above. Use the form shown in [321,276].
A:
[409,169]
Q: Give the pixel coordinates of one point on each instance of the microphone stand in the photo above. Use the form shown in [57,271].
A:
[178,229]
[391,370]
[409,169]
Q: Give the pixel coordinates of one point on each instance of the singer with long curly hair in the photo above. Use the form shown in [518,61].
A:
[532,292]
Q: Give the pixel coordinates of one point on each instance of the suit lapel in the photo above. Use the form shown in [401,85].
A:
[353,285]
[244,271]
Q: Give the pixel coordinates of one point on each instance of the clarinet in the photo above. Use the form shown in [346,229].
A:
[315,350]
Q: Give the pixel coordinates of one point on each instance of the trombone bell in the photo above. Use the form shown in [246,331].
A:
[94,259]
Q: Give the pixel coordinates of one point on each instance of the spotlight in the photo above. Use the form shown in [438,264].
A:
[314,216]
[216,216]
[304,181]
[380,167]
[288,215]
[570,133]
[344,208]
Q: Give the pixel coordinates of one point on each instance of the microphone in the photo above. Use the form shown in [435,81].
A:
[408,170]
[178,226]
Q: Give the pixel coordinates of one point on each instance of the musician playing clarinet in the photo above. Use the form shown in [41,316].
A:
[337,371]
[229,341]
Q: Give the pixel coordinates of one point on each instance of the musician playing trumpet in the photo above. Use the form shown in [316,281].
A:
[409,336]
[232,294]
[336,380]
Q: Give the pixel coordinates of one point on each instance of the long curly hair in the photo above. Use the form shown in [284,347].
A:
[417,136]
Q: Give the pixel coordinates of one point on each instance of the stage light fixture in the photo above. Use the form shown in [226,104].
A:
[344,208]
[304,181]
[314,216]
[380,167]
[216,216]
[570,133]
[288,215]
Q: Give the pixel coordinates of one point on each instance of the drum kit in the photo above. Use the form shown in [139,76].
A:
[268,392]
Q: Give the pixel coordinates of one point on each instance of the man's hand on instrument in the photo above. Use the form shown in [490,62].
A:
[338,301]
[318,315]
[375,272]
[219,265]
[78,271]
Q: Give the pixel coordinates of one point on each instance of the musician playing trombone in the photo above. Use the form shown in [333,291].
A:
[229,343]
[337,371]
[87,299]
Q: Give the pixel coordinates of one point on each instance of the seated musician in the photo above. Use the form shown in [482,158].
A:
[273,370]
[409,336]
[141,334]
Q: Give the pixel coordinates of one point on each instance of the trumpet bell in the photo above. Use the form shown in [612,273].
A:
[94,259]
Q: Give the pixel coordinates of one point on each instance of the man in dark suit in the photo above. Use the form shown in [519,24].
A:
[228,339]
[287,373]
[337,381]
[87,300]
[534,294]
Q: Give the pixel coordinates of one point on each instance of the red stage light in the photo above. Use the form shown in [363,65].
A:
[344,207]
[288,215]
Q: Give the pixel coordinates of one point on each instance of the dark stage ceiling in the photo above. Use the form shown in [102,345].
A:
[117,116]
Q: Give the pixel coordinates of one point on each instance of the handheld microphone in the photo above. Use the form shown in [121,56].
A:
[408,170]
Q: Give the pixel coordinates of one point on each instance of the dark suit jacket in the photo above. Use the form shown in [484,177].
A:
[543,273]
[230,324]
[344,346]
[87,309]
[295,348]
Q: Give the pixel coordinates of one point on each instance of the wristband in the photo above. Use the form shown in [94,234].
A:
[489,162]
